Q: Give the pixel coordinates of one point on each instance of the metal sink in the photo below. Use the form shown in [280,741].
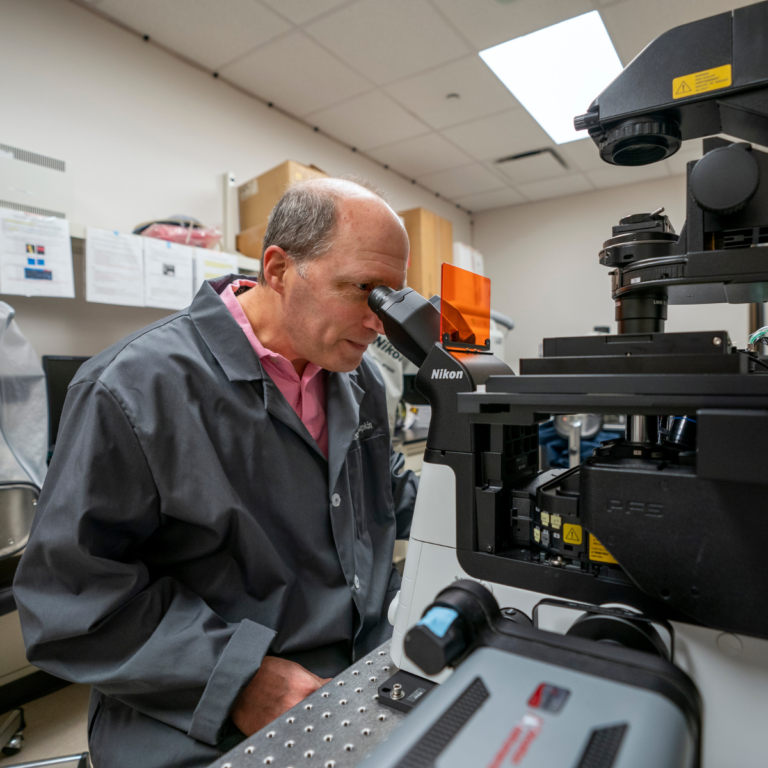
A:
[17,509]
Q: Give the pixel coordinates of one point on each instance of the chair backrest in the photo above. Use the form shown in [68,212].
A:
[59,372]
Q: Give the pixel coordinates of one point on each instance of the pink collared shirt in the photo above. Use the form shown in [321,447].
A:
[306,394]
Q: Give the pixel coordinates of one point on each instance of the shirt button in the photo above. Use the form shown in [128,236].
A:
[335,499]
[357,582]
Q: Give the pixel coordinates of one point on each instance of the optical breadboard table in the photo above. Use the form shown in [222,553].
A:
[335,727]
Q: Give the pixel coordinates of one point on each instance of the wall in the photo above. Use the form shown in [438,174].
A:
[144,135]
[542,261]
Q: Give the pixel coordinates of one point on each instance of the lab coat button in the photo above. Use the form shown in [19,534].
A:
[357,582]
[335,499]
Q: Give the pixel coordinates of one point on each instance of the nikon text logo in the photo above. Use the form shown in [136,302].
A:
[444,373]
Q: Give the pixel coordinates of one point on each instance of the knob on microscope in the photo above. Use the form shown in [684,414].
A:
[725,179]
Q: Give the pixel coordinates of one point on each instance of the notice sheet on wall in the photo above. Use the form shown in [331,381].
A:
[35,255]
[114,268]
[168,271]
[212,264]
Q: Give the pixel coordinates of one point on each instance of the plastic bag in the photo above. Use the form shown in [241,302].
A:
[201,237]
[23,406]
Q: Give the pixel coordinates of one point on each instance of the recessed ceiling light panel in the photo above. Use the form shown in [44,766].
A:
[557,72]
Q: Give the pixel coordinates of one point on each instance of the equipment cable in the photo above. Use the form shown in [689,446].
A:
[756,360]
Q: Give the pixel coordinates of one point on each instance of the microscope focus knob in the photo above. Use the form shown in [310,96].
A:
[725,179]
[639,141]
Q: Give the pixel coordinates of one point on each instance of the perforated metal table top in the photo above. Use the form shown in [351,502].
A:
[335,727]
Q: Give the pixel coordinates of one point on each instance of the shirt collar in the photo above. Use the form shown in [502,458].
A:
[282,363]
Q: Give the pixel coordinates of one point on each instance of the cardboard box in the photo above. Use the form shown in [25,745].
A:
[431,239]
[249,241]
[259,196]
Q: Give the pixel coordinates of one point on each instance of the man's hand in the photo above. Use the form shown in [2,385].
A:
[275,688]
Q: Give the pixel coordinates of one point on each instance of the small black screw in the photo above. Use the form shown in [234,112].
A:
[215,74]
[413,181]
[386,167]
[316,129]
[270,104]
[437,194]
[146,38]
[354,149]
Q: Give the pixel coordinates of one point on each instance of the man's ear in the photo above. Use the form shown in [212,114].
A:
[275,265]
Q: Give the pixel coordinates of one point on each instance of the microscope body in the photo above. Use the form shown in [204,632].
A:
[670,521]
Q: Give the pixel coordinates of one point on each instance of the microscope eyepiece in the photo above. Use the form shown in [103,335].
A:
[378,296]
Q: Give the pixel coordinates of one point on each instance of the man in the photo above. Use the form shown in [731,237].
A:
[214,538]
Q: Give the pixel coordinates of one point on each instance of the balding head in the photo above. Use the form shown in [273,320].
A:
[307,217]
[328,244]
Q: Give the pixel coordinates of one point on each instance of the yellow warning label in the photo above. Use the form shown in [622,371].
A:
[701,82]
[545,518]
[598,552]
[555,520]
[572,534]
[537,535]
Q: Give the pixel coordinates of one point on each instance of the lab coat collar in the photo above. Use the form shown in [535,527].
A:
[234,353]
[220,331]
[343,410]
[231,348]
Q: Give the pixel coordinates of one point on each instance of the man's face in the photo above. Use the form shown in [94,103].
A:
[331,323]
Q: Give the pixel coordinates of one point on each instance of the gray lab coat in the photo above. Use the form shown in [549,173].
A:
[189,525]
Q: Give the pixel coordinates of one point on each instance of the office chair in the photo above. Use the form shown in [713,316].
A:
[17,510]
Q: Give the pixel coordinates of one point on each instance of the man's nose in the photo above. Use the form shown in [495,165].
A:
[372,321]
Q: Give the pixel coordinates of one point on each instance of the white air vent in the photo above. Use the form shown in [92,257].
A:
[34,183]
[31,209]
[34,158]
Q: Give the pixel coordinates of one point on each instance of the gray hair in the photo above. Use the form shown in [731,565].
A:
[303,221]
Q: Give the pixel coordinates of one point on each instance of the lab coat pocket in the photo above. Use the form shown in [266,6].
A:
[357,490]
[369,482]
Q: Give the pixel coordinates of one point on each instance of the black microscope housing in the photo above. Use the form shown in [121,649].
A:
[671,519]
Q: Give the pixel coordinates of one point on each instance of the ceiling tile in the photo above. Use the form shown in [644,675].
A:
[210,32]
[370,120]
[489,22]
[617,176]
[424,154]
[677,164]
[532,168]
[582,155]
[460,182]
[307,79]
[480,93]
[484,201]
[633,24]
[386,41]
[491,138]
[301,11]
[568,185]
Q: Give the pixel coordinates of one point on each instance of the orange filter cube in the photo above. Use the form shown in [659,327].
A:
[465,308]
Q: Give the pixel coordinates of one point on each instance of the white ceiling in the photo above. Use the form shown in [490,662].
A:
[377,74]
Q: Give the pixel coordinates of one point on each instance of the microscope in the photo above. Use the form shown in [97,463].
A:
[615,613]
